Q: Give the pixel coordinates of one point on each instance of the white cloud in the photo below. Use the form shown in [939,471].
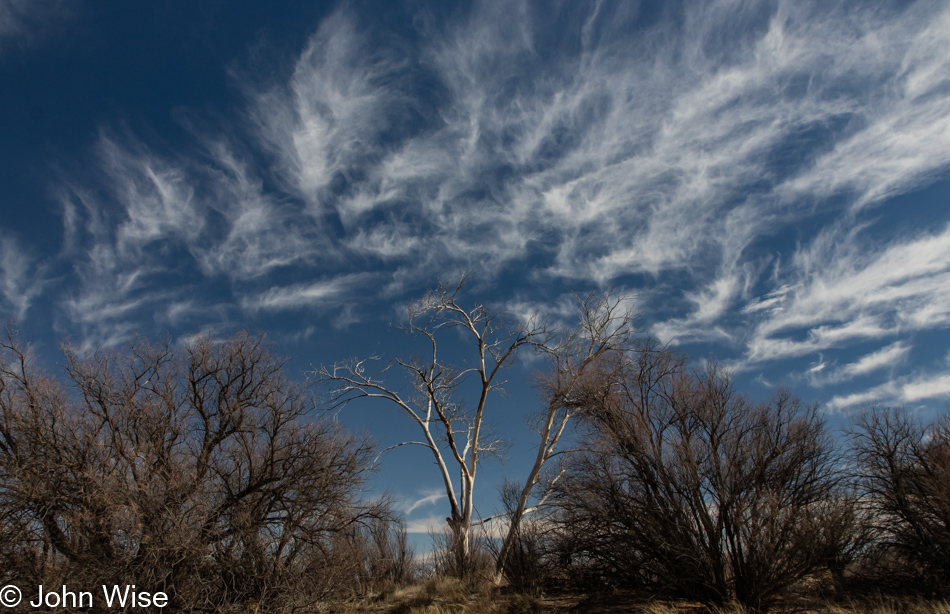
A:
[883,393]
[158,198]
[329,291]
[889,358]
[908,389]
[259,232]
[430,524]
[934,386]
[121,240]
[841,289]
[216,209]
[161,225]
[675,163]
[428,497]
[21,278]
[886,357]
[110,292]
[434,524]
[818,368]
[326,122]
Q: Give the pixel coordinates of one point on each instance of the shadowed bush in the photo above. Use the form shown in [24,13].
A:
[197,471]
[904,470]
[691,489]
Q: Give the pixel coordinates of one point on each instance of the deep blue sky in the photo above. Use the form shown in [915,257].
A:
[770,181]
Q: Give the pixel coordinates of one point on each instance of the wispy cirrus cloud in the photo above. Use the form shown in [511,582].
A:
[898,391]
[886,357]
[630,154]
[214,206]
[840,289]
[162,237]
[328,291]
[326,123]
[426,497]
[22,277]
[501,139]
[889,357]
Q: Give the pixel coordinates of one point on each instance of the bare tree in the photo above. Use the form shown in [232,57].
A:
[199,473]
[452,430]
[904,468]
[690,487]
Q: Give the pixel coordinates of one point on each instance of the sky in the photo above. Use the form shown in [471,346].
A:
[767,181]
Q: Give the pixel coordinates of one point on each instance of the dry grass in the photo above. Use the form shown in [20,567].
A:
[450,596]
[438,596]
[883,605]
[891,605]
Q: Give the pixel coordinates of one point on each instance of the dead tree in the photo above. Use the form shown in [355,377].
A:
[452,430]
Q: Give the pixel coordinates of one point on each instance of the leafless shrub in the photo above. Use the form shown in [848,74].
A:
[527,568]
[197,472]
[690,488]
[385,553]
[448,560]
[904,468]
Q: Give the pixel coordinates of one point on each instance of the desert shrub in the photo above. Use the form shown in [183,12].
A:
[380,554]
[688,487]
[199,472]
[904,471]
[448,562]
[528,567]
